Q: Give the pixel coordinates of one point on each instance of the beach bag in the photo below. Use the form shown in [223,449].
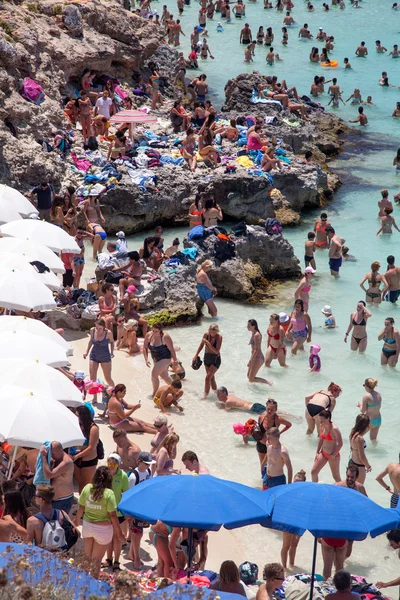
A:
[197,233]
[273,226]
[239,229]
[53,537]
[32,91]
[248,573]
[196,364]
[71,534]
[256,433]
[224,250]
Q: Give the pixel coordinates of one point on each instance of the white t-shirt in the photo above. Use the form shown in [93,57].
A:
[137,477]
[103,106]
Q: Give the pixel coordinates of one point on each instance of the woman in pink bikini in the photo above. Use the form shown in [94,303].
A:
[276,348]
[300,326]
[119,413]
[304,287]
[328,449]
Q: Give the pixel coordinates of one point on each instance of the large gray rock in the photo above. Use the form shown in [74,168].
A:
[73,20]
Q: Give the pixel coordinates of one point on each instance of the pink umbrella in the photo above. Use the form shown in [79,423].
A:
[132,116]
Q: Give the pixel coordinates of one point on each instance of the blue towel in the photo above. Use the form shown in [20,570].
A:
[39,478]
[190,252]
[170,160]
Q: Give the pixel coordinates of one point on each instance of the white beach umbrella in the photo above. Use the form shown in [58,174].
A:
[29,418]
[44,233]
[24,291]
[40,378]
[28,346]
[19,262]
[15,199]
[8,213]
[32,251]
[36,328]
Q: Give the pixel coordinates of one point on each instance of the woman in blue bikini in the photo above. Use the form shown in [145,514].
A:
[391,345]
[205,289]
[371,406]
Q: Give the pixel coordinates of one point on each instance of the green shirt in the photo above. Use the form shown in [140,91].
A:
[120,484]
[97,510]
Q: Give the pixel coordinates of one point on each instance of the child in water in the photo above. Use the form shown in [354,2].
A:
[330,321]
[314,360]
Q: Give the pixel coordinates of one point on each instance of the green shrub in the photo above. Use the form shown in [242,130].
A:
[6,27]
[32,7]
[58,9]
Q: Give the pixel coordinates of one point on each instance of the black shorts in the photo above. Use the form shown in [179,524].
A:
[68,278]
[308,259]
[261,448]
[82,464]
[212,360]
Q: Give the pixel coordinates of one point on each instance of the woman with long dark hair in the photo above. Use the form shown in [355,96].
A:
[374,292]
[97,506]
[16,513]
[212,342]
[119,412]
[257,357]
[86,459]
[151,253]
[357,446]
[358,323]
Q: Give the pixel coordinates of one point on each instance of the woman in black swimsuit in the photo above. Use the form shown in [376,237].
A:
[358,321]
[357,446]
[212,358]
[162,350]
[267,420]
[321,400]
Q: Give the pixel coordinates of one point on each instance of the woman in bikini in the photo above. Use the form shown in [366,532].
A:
[118,146]
[57,211]
[304,287]
[156,97]
[98,239]
[195,213]
[205,289]
[276,348]
[101,343]
[212,342]
[257,357]
[383,203]
[131,307]
[320,231]
[328,449]
[358,322]
[108,305]
[206,148]
[319,401]
[391,343]
[300,326]
[358,445]
[267,420]
[151,253]
[212,213]
[374,294]
[85,115]
[119,413]
[371,405]
[189,149]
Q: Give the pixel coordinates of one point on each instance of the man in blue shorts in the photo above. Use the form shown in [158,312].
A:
[275,460]
[335,251]
[392,277]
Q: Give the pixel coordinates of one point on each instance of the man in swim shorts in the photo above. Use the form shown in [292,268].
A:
[233,402]
[245,34]
[335,251]
[392,276]
[275,460]
[304,33]
[393,470]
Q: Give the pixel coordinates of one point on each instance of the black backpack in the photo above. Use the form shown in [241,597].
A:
[248,573]
[240,229]
[224,250]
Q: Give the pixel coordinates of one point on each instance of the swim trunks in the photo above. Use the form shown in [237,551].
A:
[258,408]
[270,482]
[394,500]
[245,41]
[335,264]
[392,296]
[335,542]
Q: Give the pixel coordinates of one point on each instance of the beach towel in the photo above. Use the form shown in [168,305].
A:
[170,160]
[32,91]
[190,252]
[83,164]
[291,123]
[39,478]
[245,161]
[255,99]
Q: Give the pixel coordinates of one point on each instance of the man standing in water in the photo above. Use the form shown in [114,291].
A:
[393,470]
[304,33]
[335,251]
[276,459]
[245,34]
[362,50]
[362,119]
[392,277]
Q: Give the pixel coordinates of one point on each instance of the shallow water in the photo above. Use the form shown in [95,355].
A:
[365,168]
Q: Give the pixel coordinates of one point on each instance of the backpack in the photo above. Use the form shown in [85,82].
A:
[197,233]
[136,475]
[273,226]
[248,573]
[32,91]
[239,229]
[224,250]
[100,450]
[53,537]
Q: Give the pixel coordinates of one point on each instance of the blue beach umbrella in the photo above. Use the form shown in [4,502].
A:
[36,565]
[325,510]
[196,502]
[190,592]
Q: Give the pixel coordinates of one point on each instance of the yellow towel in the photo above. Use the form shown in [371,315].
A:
[245,161]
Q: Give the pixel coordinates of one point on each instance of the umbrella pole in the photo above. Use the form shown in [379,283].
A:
[190,551]
[12,462]
[314,560]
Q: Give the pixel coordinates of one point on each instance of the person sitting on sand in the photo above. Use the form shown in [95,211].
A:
[168,395]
